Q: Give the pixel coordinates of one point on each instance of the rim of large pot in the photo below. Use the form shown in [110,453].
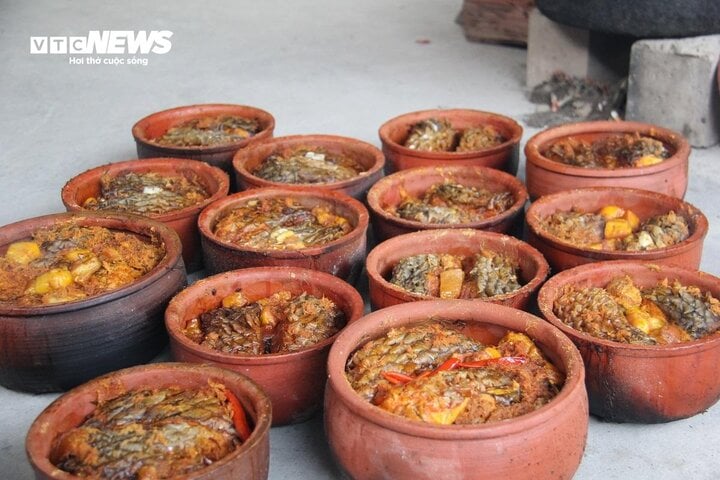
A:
[189,112]
[261,404]
[355,335]
[146,165]
[669,137]
[389,182]
[210,214]
[271,145]
[325,281]
[698,220]
[395,243]
[547,295]
[113,221]
[409,119]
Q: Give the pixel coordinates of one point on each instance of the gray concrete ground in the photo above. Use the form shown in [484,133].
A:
[319,67]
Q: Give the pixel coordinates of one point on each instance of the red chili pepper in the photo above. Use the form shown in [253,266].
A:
[397,378]
[494,361]
[238,414]
[452,363]
[449,364]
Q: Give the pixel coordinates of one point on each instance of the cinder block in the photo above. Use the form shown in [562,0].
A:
[554,47]
[673,83]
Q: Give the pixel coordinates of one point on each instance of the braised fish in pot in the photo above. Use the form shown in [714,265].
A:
[434,373]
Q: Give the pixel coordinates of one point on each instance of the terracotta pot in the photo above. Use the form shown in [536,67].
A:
[383,258]
[341,257]
[184,221]
[51,348]
[545,176]
[394,132]
[157,124]
[369,442]
[641,383]
[294,381]
[386,193]
[369,157]
[250,460]
[563,255]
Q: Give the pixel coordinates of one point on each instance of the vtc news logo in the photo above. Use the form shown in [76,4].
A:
[106,42]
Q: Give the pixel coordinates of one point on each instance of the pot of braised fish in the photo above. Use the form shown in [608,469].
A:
[609,223]
[170,190]
[310,162]
[210,132]
[649,335]
[612,154]
[322,230]
[454,263]
[274,325]
[81,295]
[446,197]
[459,137]
[166,420]
[443,386]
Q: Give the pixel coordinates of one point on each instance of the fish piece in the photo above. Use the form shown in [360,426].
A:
[150,433]
[281,224]
[308,165]
[695,312]
[432,135]
[209,131]
[148,193]
[594,311]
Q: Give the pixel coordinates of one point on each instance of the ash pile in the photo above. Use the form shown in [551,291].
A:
[567,99]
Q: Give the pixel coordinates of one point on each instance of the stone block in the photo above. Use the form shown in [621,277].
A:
[555,47]
[673,83]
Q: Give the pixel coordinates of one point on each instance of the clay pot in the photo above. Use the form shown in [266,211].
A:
[369,442]
[250,460]
[294,381]
[184,221]
[545,176]
[368,156]
[341,257]
[51,348]
[382,259]
[387,193]
[641,383]
[563,255]
[394,132]
[220,156]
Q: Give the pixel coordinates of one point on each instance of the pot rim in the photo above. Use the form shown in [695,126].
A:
[387,142]
[242,157]
[353,336]
[667,136]
[511,182]
[262,407]
[546,298]
[212,211]
[115,221]
[395,243]
[698,232]
[188,112]
[201,168]
[326,282]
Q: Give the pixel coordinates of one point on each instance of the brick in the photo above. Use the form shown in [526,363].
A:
[673,83]
[503,21]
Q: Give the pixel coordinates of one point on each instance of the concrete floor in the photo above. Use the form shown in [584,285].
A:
[319,67]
